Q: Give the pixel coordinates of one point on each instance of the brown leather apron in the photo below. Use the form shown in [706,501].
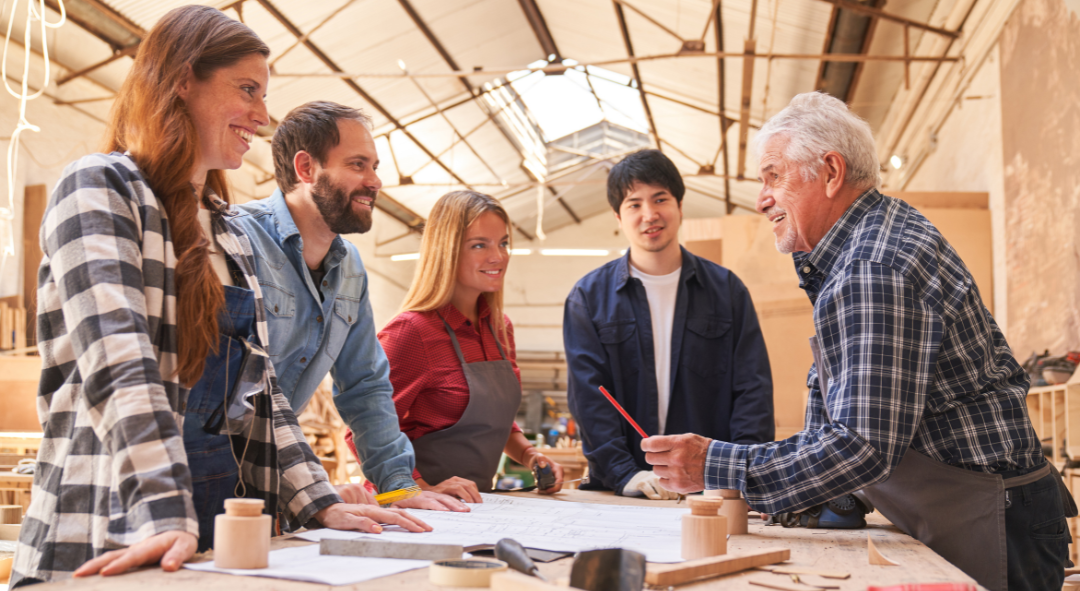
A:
[472,447]
[958,513]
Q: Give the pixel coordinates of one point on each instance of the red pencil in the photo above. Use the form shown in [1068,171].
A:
[625,415]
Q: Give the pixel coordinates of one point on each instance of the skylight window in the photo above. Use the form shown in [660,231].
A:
[539,108]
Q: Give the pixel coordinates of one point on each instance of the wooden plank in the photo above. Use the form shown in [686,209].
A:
[715,566]
[379,549]
[35,198]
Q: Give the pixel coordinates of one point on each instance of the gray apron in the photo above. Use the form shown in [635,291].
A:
[958,513]
[472,447]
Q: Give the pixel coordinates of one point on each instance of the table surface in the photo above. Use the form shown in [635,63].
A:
[843,550]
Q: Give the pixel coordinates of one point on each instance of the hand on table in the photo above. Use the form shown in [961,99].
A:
[539,459]
[171,548]
[454,486]
[433,501]
[679,460]
[355,494]
[366,518]
[647,483]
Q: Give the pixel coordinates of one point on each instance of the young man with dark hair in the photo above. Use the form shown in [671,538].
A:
[673,337]
[315,288]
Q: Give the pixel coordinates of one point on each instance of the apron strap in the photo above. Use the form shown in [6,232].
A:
[496,337]
[453,339]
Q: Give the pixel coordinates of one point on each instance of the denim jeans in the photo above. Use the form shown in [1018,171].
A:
[214,473]
[1037,536]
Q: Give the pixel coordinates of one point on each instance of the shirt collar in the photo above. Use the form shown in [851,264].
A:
[828,250]
[456,319]
[286,227]
[689,268]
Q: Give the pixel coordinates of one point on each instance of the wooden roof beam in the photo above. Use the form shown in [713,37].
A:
[881,14]
[637,73]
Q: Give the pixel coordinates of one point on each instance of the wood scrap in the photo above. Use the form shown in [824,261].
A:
[715,566]
[784,584]
[876,557]
[805,570]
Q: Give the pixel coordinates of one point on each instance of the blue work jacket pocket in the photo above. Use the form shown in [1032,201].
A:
[278,302]
[707,345]
[622,350]
[346,312]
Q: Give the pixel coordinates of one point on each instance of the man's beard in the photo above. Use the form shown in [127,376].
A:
[335,206]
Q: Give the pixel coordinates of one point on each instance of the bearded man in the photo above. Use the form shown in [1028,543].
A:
[315,288]
[672,336]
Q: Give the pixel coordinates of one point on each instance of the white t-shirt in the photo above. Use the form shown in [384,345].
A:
[661,291]
[217,255]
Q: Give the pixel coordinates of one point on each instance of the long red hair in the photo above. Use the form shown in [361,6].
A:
[150,121]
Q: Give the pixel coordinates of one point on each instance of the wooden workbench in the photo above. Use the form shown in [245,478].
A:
[827,549]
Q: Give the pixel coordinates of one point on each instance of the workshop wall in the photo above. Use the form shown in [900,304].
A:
[1040,46]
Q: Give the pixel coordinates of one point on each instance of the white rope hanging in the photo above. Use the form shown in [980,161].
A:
[33,13]
[540,211]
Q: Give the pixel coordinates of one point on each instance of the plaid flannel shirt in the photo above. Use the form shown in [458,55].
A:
[112,470]
[915,359]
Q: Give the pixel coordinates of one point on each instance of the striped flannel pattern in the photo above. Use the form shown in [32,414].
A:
[915,361]
[112,469]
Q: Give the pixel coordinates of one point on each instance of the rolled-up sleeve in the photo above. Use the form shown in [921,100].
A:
[880,341]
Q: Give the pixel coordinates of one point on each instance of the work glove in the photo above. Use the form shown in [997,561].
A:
[647,483]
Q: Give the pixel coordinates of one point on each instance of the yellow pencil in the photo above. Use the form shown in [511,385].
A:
[394,496]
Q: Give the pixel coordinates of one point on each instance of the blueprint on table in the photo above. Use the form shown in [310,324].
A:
[544,524]
[304,563]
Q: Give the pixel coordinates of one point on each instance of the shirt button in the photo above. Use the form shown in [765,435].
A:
[350,318]
[806,269]
[303,360]
[325,283]
[275,309]
[319,319]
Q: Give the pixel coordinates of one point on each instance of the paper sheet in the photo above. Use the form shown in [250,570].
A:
[548,525]
[304,563]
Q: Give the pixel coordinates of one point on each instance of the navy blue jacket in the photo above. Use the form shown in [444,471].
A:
[721,382]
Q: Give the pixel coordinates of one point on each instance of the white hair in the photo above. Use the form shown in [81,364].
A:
[814,124]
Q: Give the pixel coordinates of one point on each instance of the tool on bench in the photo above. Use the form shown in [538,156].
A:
[610,569]
[394,496]
[534,487]
[633,423]
[514,554]
[380,549]
[545,476]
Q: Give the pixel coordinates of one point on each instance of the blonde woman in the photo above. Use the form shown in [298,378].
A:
[451,350]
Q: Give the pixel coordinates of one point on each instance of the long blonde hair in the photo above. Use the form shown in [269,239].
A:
[440,249]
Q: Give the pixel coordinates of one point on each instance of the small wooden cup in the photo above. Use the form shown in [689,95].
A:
[242,535]
[704,532]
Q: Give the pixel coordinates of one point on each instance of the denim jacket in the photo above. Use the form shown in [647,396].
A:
[721,384]
[310,336]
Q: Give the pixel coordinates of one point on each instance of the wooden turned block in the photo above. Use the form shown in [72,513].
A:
[11,514]
[735,509]
[242,535]
[704,531]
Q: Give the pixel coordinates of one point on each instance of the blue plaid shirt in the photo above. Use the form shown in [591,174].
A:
[915,359]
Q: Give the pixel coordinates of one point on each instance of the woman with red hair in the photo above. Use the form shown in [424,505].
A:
[157,397]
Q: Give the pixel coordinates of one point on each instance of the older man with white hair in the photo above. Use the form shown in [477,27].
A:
[915,397]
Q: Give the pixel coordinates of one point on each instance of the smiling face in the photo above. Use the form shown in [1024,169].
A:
[346,185]
[650,217]
[796,207]
[227,108]
[484,257]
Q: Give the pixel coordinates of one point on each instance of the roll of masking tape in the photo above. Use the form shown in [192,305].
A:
[474,572]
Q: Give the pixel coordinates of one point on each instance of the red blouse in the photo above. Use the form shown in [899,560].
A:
[430,391]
